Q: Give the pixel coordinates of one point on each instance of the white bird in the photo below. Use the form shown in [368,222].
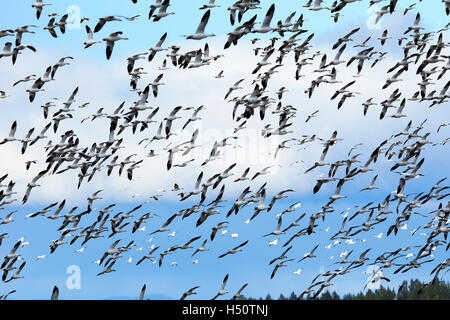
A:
[316,6]
[20,31]
[393,79]
[384,37]
[110,40]
[200,32]
[158,4]
[6,33]
[234,87]
[198,62]
[7,52]
[265,26]
[224,232]
[202,248]
[32,185]
[158,47]
[162,13]
[261,206]
[36,87]
[309,254]
[211,4]
[222,289]
[11,134]
[189,293]
[277,230]
[298,271]
[90,41]
[399,113]
[26,79]
[220,75]
[409,255]
[381,13]
[92,198]
[264,61]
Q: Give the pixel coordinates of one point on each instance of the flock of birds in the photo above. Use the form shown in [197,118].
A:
[424,53]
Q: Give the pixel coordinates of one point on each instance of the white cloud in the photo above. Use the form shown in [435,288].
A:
[105,84]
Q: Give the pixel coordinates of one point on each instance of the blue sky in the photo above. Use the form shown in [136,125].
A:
[106,83]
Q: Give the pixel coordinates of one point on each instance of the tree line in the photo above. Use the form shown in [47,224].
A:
[412,290]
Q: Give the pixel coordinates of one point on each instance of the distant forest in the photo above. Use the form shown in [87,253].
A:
[414,290]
